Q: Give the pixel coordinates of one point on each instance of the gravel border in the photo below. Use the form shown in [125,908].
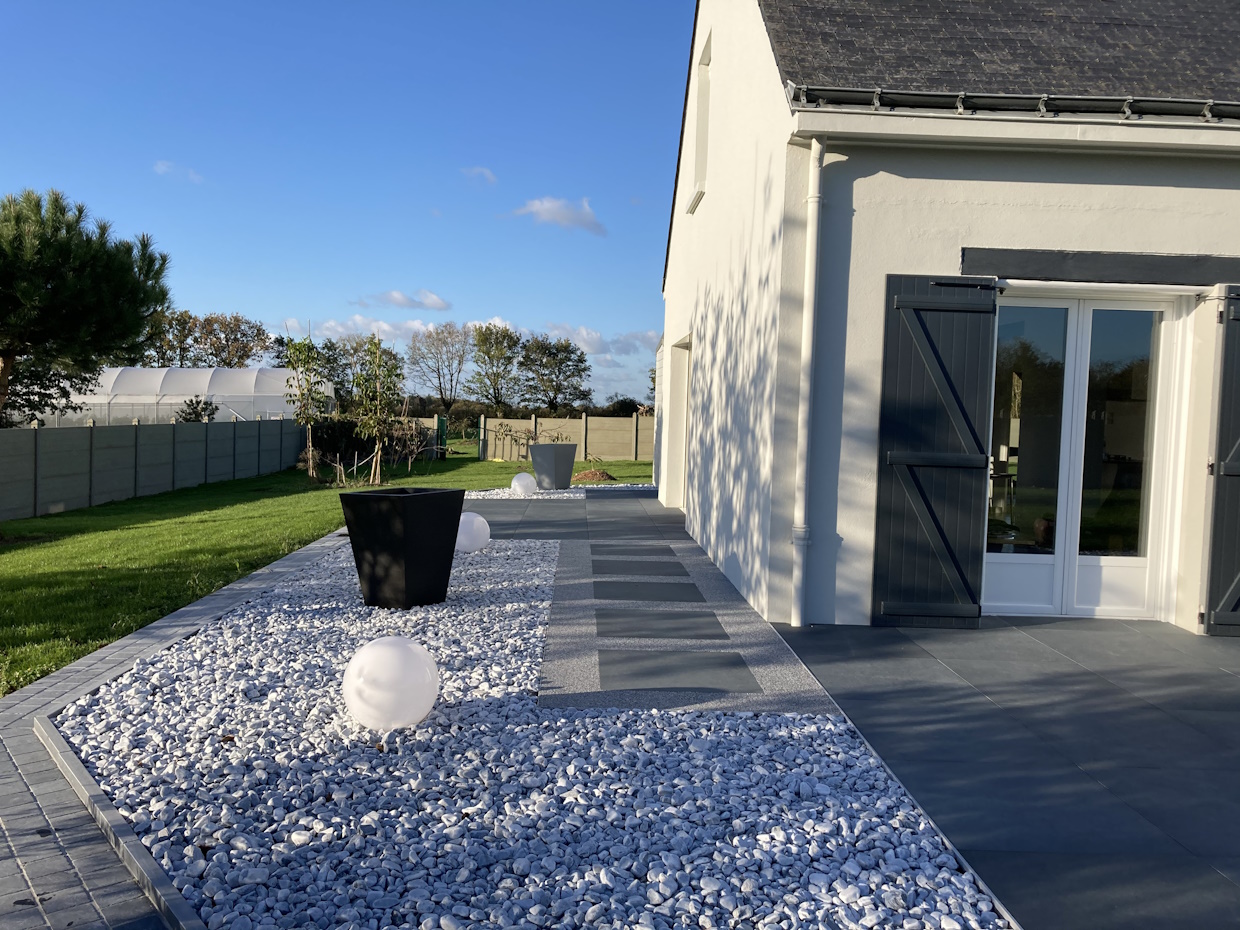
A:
[494,812]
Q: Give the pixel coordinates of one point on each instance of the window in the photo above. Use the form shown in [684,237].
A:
[702,138]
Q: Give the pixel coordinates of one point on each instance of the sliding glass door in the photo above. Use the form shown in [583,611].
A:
[1072,466]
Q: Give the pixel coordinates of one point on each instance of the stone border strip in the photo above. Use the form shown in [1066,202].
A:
[151,878]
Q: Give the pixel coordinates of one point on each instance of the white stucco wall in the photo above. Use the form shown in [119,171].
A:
[911,211]
[722,298]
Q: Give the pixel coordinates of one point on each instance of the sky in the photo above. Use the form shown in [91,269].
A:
[371,167]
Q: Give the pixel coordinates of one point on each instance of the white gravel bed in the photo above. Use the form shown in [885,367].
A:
[572,494]
[234,759]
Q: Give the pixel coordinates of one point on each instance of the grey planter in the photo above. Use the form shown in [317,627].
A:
[553,464]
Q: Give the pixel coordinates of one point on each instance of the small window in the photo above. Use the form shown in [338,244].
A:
[703,127]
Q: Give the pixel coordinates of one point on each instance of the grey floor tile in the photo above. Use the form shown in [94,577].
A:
[1031,807]
[1114,892]
[634,670]
[658,624]
[679,591]
[649,550]
[1192,811]
[643,568]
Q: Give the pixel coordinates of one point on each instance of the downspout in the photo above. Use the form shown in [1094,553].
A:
[800,528]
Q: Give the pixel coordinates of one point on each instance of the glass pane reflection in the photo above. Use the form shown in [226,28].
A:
[1028,419]
[1118,428]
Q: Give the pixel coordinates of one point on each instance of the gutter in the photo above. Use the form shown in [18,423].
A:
[809,307]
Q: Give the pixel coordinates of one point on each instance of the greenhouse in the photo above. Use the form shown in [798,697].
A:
[155,395]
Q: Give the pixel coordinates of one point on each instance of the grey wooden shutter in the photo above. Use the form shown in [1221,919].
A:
[1223,587]
[933,442]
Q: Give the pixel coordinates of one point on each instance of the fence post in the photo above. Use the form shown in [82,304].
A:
[636,435]
[34,509]
[534,426]
[585,435]
[482,437]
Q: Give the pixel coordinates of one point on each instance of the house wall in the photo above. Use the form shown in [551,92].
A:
[897,210]
[718,386]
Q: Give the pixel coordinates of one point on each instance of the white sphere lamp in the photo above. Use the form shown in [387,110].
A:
[390,683]
[473,532]
[525,484]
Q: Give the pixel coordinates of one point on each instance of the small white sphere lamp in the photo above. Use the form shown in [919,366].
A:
[524,484]
[473,533]
[390,683]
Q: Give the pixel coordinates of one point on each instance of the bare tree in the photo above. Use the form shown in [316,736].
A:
[437,358]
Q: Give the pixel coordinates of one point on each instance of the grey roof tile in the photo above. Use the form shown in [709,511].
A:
[1109,48]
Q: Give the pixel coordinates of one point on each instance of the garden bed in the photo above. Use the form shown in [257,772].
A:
[233,757]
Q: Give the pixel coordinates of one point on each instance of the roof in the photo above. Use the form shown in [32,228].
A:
[1183,49]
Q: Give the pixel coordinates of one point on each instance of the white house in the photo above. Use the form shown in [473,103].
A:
[952,324]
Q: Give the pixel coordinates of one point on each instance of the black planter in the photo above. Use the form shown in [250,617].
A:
[553,464]
[403,540]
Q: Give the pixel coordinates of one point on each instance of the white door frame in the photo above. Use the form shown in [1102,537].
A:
[1057,577]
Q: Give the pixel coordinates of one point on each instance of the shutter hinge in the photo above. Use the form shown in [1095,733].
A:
[1210,466]
[1201,618]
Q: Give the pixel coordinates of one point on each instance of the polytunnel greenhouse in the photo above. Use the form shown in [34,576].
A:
[154,395]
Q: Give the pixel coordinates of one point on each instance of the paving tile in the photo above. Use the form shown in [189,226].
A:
[1113,892]
[679,591]
[24,919]
[71,917]
[658,624]
[641,568]
[650,550]
[1024,805]
[636,670]
[1193,811]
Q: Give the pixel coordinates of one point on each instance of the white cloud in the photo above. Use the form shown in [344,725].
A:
[591,341]
[562,213]
[387,330]
[171,168]
[479,172]
[606,362]
[595,343]
[421,299]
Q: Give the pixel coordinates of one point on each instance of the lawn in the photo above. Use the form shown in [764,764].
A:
[72,582]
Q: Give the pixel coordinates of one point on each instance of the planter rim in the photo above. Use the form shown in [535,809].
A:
[400,492]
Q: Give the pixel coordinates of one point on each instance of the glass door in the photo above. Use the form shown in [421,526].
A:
[1071,474]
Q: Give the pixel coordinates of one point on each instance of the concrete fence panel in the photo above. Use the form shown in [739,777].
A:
[17,466]
[220,451]
[156,459]
[645,439]
[51,470]
[114,457]
[189,468]
[270,432]
[609,438]
[245,449]
[63,475]
[291,443]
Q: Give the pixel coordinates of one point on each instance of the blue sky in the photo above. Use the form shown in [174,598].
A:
[373,166]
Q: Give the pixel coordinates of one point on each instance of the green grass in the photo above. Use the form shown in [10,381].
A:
[72,582]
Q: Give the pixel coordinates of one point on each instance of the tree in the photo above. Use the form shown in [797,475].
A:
[230,341]
[72,295]
[437,358]
[305,392]
[494,380]
[553,373]
[197,410]
[654,384]
[174,340]
[38,386]
[378,390]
